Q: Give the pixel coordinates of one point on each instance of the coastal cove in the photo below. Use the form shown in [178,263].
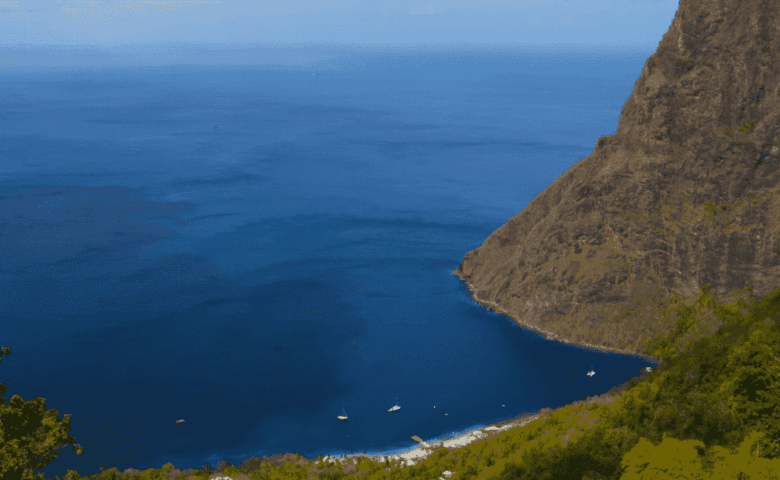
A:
[410,457]
[255,249]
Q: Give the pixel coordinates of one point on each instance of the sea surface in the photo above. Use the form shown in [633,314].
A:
[255,249]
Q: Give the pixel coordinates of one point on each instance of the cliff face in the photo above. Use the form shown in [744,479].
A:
[685,193]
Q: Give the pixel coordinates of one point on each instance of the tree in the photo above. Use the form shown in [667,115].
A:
[753,384]
[689,459]
[670,459]
[29,435]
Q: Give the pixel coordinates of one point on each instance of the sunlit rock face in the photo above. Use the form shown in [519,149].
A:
[684,193]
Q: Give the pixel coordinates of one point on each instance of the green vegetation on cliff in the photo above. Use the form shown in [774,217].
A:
[29,435]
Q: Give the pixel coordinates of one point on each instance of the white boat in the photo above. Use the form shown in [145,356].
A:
[396,407]
[591,373]
[343,415]
[180,420]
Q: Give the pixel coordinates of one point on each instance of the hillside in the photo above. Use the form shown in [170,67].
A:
[683,194]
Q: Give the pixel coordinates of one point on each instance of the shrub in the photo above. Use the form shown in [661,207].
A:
[747,126]
[331,475]
[689,459]
[154,475]
[110,474]
[231,471]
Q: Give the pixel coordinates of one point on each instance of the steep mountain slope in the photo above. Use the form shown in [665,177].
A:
[684,193]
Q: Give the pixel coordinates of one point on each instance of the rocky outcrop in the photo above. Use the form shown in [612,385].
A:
[684,194]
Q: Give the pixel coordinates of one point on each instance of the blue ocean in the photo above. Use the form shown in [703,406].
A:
[258,248]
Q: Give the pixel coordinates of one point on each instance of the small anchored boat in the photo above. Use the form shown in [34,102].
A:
[591,373]
[181,420]
[395,407]
[343,415]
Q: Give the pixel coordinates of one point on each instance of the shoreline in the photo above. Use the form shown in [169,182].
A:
[550,335]
[411,456]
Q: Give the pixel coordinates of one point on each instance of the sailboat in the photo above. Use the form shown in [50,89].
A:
[591,373]
[343,415]
[395,407]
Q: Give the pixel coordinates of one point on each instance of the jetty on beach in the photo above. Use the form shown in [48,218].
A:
[420,441]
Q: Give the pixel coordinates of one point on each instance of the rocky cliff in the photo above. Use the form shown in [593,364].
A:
[684,194]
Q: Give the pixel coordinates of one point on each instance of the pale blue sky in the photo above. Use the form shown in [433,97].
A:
[638,22]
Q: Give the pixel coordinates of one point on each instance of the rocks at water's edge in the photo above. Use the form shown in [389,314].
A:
[684,194]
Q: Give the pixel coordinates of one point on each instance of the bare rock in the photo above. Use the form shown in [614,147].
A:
[685,193]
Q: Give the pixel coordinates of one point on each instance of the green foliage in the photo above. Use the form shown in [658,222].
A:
[156,475]
[110,474]
[592,456]
[667,344]
[333,475]
[718,387]
[747,126]
[167,467]
[202,474]
[469,472]
[690,459]
[231,471]
[29,435]
[752,384]
[671,459]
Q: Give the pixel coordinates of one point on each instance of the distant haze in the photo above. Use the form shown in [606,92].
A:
[101,22]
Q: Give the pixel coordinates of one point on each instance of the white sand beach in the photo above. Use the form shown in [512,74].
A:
[411,457]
